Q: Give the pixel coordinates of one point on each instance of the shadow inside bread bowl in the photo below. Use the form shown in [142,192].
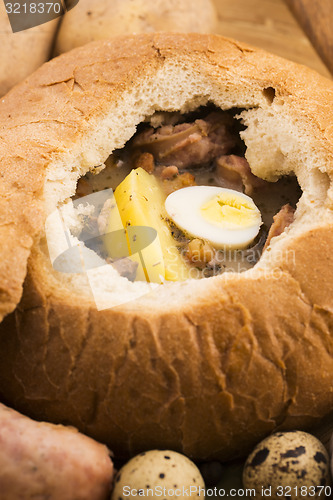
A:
[204,366]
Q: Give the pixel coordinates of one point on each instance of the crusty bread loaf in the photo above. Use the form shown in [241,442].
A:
[22,52]
[207,367]
[104,18]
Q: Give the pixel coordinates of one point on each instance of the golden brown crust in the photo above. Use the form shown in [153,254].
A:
[48,113]
[209,379]
[209,376]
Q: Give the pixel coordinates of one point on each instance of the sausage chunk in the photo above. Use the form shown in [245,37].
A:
[50,462]
[188,145]
[236,169]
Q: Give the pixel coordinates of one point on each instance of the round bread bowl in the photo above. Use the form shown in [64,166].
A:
[207,367]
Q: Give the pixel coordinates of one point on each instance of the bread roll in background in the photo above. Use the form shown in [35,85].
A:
[22,52]
[100,19]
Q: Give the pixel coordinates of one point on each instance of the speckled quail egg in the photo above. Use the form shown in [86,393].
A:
[159,474]
[288,464]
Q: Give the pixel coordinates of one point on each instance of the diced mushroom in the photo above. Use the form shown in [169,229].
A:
[145,161]
[169,172]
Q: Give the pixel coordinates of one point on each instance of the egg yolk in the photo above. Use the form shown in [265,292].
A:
[230,211]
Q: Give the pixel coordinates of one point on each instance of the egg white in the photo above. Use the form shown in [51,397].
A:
[184,209]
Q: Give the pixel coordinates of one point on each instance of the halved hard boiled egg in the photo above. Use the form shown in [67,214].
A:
[223,217]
